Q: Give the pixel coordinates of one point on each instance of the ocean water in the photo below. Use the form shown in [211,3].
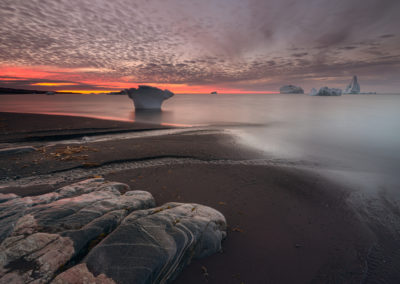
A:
[353,137]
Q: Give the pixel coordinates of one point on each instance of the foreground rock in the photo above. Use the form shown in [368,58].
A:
[148,98]
[325,91]
[153,246]
[101,235]
[291,89]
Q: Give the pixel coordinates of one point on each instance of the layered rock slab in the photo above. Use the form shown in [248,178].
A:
[41,234]
[90,231]
[154,245]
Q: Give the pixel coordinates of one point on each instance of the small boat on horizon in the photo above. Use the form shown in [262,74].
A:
[214,93]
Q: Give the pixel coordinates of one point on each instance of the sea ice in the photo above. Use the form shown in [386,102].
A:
[353,87]
[325,91]
[313,92]
[291,89]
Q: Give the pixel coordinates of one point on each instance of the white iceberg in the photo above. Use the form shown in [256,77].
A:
[325,91]
[147,97]
[291,89]
[313,92]
[353,87]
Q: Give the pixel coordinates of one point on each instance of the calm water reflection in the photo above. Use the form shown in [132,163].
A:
[359,133]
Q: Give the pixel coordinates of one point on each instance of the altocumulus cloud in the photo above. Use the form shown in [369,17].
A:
[253,44]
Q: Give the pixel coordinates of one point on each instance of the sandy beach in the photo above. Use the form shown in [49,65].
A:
[285,225]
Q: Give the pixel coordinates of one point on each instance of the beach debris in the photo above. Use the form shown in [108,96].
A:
[237,229]
[147,97]
[291,89]
[69,153]
[89,230]
[204,270]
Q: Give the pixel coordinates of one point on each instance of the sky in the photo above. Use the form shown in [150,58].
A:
[191,46]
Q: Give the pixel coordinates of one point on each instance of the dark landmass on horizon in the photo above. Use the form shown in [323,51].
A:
[12,91]
[9,91]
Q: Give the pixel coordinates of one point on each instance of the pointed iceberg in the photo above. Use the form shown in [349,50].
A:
[353,87]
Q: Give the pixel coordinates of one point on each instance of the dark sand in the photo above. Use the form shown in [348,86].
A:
[285,225]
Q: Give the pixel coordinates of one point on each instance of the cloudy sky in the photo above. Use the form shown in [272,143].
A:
[199,46]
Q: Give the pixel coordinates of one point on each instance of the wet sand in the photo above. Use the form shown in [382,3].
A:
[286,225]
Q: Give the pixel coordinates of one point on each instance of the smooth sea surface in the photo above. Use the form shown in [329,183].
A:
[351,137]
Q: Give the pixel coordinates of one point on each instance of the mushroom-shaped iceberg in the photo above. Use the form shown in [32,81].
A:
[147,97]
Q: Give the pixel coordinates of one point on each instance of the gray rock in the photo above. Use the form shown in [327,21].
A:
[154,245]
[89,232]
[291,89]
[41,234]
[6,197]
[81,274]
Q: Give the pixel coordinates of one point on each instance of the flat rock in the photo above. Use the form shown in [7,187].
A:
[154,245]
[90,232]
[41,234]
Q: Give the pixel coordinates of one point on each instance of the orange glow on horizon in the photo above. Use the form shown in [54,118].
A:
[54,84]
[114,85]
[86,91]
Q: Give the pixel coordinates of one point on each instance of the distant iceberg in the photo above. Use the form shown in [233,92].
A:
[291,89]
[147,97]
[353,87]
[313,92]
[325,91]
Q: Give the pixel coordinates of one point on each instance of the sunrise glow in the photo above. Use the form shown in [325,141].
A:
[86,81]
[54,84]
